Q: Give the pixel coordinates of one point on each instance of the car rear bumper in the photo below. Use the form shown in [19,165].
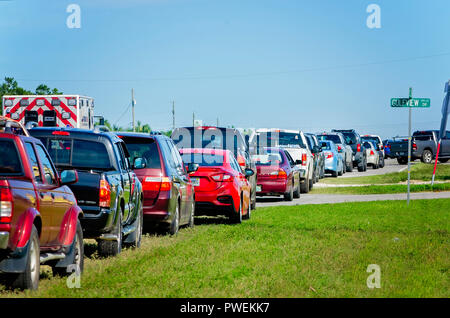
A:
[158,212]
[4,239]
[14,261]
[223,200]
[272,187]
[96,221]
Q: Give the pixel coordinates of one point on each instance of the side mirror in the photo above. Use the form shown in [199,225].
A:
[298,162]
[69,177]
[139,163]
[249,172]
[192,167]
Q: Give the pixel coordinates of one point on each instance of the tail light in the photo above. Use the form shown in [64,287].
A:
[221,177]
[358,147]
[381,147]
[279,174]
[371,153]
[329,155]
[241,161]
[339,148]
[304,159]
[105,194]
[414,146]
[60,133]
[157,184]
[388,146]
[6,204]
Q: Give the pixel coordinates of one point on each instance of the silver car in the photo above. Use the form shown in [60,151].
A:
[342,147]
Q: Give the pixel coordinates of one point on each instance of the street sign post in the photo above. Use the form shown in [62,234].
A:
[410,103]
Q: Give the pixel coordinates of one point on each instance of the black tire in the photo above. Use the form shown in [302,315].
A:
[443,160]
[253,204]
[289,196]
[311,183]
[139,227]
[297,192]
[349,168]
[78,257]
[334,174]
[29,279]
[108,248]
[427,156]
[382,163]
[191,222]
[236,216]
[402,161]
[304,186]
[340,173]
[361,166]
[249,212]
[175,224]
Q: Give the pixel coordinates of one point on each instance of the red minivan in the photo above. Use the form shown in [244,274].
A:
[168,191]
[221,186]
[278,174]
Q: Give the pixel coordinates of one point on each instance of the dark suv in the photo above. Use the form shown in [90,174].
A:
[108,190]
[168,190]
[220,138]
[353,139]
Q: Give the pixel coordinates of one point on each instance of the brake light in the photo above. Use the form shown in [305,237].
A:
[104,194]
[6,204]
[371,153]
[221,177]
[339,148]
[241,161]
[304,159]
[358,147]
[156,184]
[279,174]
[329,155]
[61,133]
[414,146]
[166,185]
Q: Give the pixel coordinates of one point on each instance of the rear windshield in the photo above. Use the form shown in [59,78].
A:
[9,158]
[334,138]
[145,148]
[204,160]
[325,145]
[268,158]
[78,153]
[279,139]
[350,138]
[374,139]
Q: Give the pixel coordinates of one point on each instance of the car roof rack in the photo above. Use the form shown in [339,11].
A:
[8,125]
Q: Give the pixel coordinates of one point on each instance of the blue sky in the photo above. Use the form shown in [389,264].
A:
[312,65]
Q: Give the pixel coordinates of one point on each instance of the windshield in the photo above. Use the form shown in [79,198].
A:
[9,159]
[78,153]
[143,148]
[334,138]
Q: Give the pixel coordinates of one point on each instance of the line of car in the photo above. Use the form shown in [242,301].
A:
[61,185]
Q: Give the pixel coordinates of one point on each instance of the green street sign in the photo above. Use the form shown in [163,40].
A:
[410,102]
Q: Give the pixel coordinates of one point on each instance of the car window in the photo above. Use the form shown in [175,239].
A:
[234,164]
[146,148]
[291,161]
[49,172]
[177,158]
[269,158]
[125,155]
[203,159]
[9,158]
[34,162]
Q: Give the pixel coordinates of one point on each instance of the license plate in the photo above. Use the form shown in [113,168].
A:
[258,188]
[195,182]
[401,153]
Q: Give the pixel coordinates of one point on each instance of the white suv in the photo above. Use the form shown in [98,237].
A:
[295,143]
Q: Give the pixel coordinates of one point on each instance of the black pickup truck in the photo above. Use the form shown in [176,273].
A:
[108,191]
[424,147]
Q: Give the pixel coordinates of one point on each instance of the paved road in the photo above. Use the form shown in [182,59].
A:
[340,198]
[391,165]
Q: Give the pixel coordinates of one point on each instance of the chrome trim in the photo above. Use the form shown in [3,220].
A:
[4,239]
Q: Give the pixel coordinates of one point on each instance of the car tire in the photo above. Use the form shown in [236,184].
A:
[402,161]
[289,196]
[304,186]
[191,222]
[340,173]
[297,192]
[253,204]
[175,224]
[78,257]
[139,227]
[29,279]
[361,166]
[443,160]
[311,184]
[427,156]
[349,167]
[108,248]
[236,216]
[249,213]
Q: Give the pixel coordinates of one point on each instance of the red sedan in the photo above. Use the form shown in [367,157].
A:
[278,174]
[221,186]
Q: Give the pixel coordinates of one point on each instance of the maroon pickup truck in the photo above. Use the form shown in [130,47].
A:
[39,215]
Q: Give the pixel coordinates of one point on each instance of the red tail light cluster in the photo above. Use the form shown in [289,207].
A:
[339,148]
[6,204]
[329,155]
[371,153]
[104,194]
[279,174]
[414,146]
[222,177]
[358,147]
[304,159]
[156,184]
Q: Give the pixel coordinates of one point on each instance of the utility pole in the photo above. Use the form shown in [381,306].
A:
[173,115]
[132,108]
[409,149]
[193,119]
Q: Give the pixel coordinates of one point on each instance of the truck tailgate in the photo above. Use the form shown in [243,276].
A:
[86,190]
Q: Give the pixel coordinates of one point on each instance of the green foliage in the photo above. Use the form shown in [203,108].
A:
[382,189]
[11,87]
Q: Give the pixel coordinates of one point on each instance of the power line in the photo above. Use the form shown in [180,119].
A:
[123,114]
[231,76]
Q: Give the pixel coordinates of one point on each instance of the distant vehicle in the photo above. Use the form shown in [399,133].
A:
[39,215]
[220,138]
[387,148]
[319,159]
[353,139]
[344,149]
[167,188]
[423,147]
[373,157]
[294,141]
[108,190]
[334,162]
[221,187]
[51,110]
[377,142]
[278,173]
